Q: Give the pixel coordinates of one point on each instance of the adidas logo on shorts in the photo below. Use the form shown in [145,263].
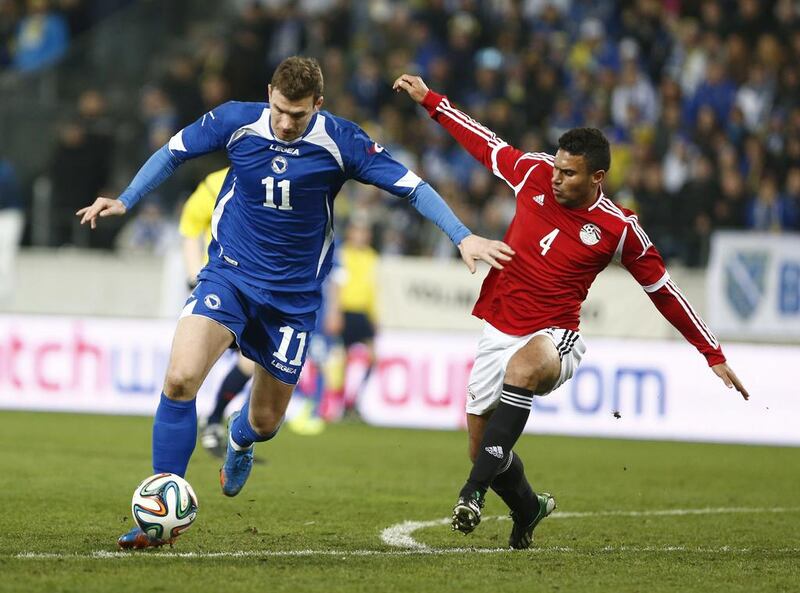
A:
[495,451]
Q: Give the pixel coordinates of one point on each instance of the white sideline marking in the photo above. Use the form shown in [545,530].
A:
[400,538]
[399,535]
[105,555]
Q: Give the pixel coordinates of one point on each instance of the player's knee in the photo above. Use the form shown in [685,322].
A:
[265,422]
[180,384]
[534,375]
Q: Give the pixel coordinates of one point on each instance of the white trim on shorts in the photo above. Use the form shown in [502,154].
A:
[496,348]
[188,310]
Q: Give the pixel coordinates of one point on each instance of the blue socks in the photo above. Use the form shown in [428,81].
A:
[174,435]
[243,434]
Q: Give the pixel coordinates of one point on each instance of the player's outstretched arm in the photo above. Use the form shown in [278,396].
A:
[101,207]
[506,162]
[475,247]
[724,372]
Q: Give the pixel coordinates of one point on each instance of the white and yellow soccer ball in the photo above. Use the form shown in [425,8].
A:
[164,506]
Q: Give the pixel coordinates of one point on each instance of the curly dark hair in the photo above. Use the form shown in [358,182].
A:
[297,78]
[589,143]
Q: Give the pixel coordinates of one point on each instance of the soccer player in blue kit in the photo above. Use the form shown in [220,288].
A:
[271,249]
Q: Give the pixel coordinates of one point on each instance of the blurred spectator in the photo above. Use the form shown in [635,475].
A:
[245,63]
[425,45]
[159,118]
[11,222]
[645,23]
[79,170]
[150,231]
[634,100]
[656,209]
[792,195]
[770,211]
[594,51]
[730,210]
[755,97]
[688,60]
[751,20]
[77,15]
[496,215]
[9,21]
[10,190]
[542,95]
[697,199]
[42,37]
[716,92]
[286,32]
[214,91]
[714,18]
[463,29]
[367,87]
[93,115]
[180,85]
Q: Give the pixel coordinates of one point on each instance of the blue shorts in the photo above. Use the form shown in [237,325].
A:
[258,319]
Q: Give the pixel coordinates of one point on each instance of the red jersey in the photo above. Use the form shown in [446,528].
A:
[560,250]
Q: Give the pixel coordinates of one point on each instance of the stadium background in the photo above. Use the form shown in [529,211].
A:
[701,101]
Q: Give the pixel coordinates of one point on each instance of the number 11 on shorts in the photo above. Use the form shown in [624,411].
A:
[283,349]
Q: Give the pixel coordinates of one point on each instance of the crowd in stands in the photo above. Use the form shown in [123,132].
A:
[35,34]
[700,99]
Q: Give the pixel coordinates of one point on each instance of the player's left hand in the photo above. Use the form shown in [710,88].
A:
[474,247]
[101,207]
[413,85]
[724,372]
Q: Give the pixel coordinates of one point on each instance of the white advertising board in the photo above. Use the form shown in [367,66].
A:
[75,364]
[660,390]
[754,286]
[420,293]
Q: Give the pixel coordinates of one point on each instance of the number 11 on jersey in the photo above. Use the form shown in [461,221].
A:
[269,202]
[547,241]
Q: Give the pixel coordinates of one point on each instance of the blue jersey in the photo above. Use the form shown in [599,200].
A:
[273,221]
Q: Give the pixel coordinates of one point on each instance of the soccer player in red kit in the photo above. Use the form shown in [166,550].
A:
[564,232]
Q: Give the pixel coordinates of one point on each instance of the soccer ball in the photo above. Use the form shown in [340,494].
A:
[164,506]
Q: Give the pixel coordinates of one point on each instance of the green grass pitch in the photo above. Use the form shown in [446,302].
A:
[312,517]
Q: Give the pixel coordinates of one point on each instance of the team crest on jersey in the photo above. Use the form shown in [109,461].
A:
[212,301]
[375,148]
[279,164]
[590,234]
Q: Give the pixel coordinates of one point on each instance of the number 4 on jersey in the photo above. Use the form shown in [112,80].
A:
[547,241]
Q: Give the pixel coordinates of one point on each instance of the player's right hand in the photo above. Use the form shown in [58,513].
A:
[101,207]
[413,85]
[475,247]
[724,372]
